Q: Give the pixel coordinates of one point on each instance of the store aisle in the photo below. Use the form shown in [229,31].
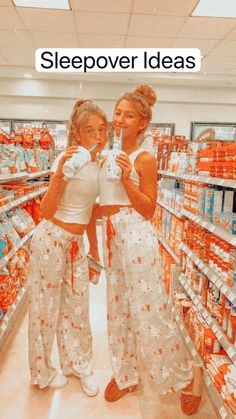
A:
[20,400]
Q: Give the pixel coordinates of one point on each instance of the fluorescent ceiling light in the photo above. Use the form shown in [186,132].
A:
[215,8]
[43,4]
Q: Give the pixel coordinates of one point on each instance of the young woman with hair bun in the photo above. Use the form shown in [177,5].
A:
[58,276]
[139,320]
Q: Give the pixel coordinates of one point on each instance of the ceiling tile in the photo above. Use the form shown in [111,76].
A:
[225,49]
[102,5]
[55,40]
[205,45]
[101,41]
[102,23]
[9,19]
[164,27]
[14,38]
[48,21]
[232,72]
[232,35]
[3,61]
[19,56]
[7,3]
[217,65]
[147,42]
[163,7]
[206,28]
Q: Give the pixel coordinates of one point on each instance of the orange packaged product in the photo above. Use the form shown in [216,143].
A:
[36,211]
[203,168]
[228,170]
[211,343]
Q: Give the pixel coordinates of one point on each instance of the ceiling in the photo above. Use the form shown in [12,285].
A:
[123,24]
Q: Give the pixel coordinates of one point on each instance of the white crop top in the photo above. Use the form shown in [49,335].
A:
[114,193]
[80,194]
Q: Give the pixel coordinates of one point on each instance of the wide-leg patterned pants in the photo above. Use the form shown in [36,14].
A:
[59,304]
[138,315]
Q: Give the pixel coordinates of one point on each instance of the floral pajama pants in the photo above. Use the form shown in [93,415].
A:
[59,304]
[138,315]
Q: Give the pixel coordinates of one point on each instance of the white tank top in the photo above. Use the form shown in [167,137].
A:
[80,194]
[114,193]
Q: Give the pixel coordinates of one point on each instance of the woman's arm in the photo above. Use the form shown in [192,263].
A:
[143,198]
[56,188]
[52,197]
[91,231]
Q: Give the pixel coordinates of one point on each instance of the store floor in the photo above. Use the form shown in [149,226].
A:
[20,400]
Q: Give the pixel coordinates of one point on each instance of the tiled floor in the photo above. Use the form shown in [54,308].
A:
[19,400]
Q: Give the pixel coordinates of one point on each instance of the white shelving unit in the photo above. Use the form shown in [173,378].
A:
[223,287]
[216,399]
[34,175]
[12,252]
[163,241]
[222,234]
[8,320]
[228,347]
[229,183]
[170,209]
[23,176]
[20,201]
[13,177]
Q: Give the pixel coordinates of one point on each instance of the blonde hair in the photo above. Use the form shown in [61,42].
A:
[82,110]
[144,98]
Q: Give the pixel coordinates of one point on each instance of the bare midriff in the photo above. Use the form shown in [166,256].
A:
[107,210]
[73,228]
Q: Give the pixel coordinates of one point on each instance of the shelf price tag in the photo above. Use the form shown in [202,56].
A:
[219,334]
[214,328]
[232,297]
[4,326]
[222,412]
[194,351]
[208,381]
[224,289]
[231,352]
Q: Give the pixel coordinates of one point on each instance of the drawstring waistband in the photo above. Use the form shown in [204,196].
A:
[73,253]
[110,233]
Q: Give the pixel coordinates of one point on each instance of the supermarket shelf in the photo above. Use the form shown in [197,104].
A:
[13,177]
[216,400]
[224,235]
[229,348]
[8,320]
[20,201]
[223,287]
[38,174]
[12,252]
[163,241]
[229,183]
[169,209]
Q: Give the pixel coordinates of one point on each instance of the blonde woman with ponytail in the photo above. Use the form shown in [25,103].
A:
[139,320]
[58,265]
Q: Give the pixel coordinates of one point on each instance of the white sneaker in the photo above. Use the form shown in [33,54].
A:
[89,385]
[58,381]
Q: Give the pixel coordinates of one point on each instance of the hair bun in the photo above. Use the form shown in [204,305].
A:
[147,92]
[80,102]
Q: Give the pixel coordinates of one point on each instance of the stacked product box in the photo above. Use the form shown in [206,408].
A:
[214,204]
[218,160]
[214,251]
